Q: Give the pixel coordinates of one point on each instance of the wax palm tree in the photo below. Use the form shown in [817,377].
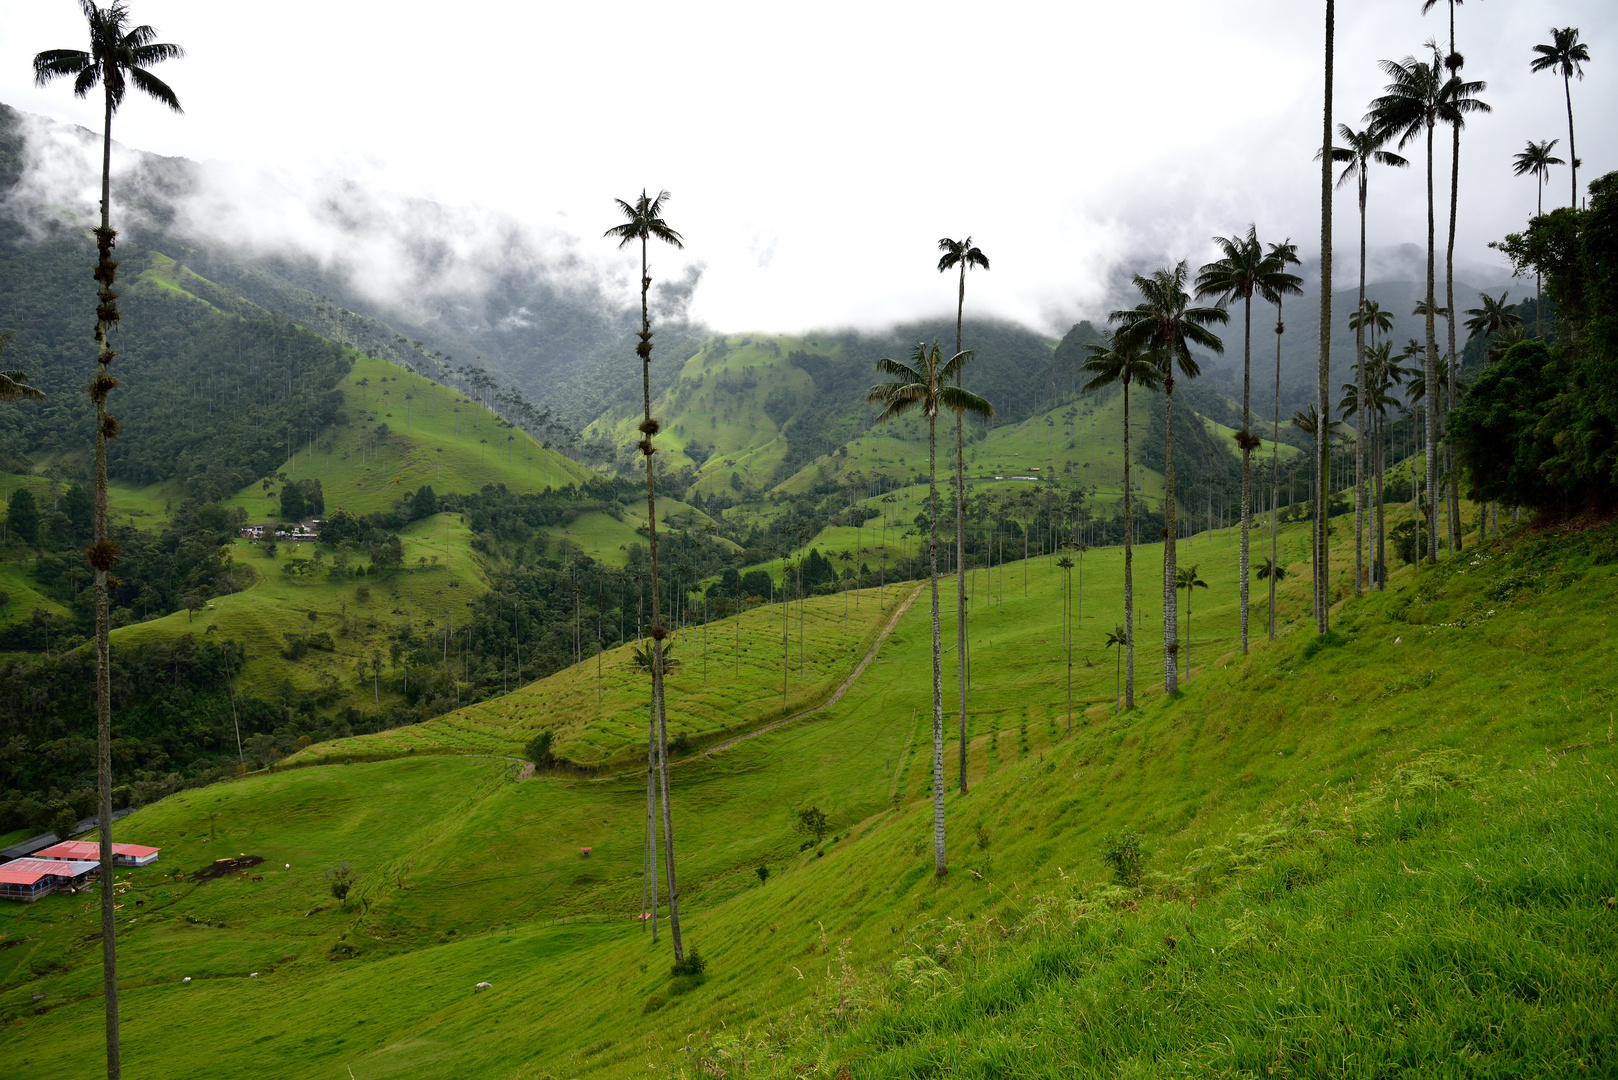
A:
[1065,564]
[1360,151]
[1537,159]
[962,256]
[1270,570]
[1417,100]
[1165,323]
[1371,317]
[1236,276]
[1322,564]
[1489,320]
[1120,637]
[924,384]
[1276,284]
[1567,55]
[1124,364]
[119,56]
[643,221]
[1186,578]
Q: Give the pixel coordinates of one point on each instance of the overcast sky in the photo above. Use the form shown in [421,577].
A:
[816,153]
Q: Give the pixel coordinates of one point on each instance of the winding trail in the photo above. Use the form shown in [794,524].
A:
[829,702]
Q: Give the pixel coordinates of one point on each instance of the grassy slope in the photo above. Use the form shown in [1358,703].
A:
[262,616]
[447,441]
[598,718]
[1501,660]
[710,403]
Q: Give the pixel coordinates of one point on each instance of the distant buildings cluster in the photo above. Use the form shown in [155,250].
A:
[304,530]
[66,867]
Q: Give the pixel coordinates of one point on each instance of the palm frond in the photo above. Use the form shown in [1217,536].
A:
[960,400]
[59,63]
[152,86]
[956,364]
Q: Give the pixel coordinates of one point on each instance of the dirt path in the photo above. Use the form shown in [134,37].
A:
[834,699]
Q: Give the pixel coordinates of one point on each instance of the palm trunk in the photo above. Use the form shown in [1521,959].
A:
[1275,470]
[960,541]
[1433,392]
[1381,477]
[1129,569]
[939,866]
[1572,150]
[1454,485]
[1323,388]
[649,878]
[1359,410]
[648,429]
[1247,457]
[104,555]
[1171,614]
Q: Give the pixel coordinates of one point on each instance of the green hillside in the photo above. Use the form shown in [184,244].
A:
[1333,831]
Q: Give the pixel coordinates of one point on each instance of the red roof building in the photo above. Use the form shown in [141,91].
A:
[29,879]
[122,854]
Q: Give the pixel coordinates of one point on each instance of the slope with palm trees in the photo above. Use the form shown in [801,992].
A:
[923,385]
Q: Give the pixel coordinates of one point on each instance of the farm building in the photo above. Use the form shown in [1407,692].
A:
[29,879]
[122,854]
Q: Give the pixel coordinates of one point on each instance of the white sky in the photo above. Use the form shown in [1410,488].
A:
[817,152]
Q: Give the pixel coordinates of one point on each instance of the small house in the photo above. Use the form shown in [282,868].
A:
[29,879]
[122,854]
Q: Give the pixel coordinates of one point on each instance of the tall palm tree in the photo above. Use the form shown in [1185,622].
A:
[1568,55]
[119,55]
[1120,637]
[924,384]
[960,255]
[1124,364]
[1186,578]
[1235,276]
[1165,323]
[1322,564]
[1489,320]
[643,221]
[1537,159]
[1275,285]
[1417,100]
[1066,566]
[1360,151]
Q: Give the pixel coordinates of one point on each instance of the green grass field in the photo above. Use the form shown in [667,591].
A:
[440,574]
[1386,855]
[436,436]
[737,675]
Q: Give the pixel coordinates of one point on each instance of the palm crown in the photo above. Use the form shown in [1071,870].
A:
[1491,318]
[1276,281]
[1566,54]
[119,54]
[1165,323]
[1123,364]
[1421,97]
[960,253]
[1536,159]
[924,383]
[1234,275]
[645,222]
[1361,150]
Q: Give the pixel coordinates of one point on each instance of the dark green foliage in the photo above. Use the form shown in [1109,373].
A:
[1541,428]
[1122,853]
[1331,639]
[1402,539]
[302,499]
[756,583]
[424,503]
[539,750]
[22,516]
[763,873]
[813,822]
[692,966]
[340,881]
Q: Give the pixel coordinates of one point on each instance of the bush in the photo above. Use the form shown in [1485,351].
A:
[691,966]
[1123,854]
[539,750]
[340,880]
[763,873]
[813,822]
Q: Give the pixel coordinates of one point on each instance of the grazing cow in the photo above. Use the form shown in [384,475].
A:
[259,878]
[482,986]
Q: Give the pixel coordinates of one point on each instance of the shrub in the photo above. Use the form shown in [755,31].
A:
[763,873]
[339,880]
[691,966]
[813,822]
[1123,854]
[539,750]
